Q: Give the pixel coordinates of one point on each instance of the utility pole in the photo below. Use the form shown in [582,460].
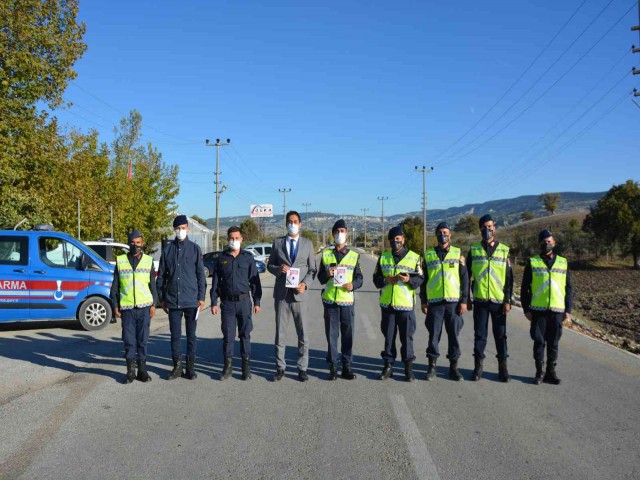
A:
[382,199]
[284,192]
[79,220]
[111,210]
[364,219]
[424,172]
[635,49]
[306,211]
[218,189]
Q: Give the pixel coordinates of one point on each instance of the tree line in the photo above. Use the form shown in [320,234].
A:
[47,170]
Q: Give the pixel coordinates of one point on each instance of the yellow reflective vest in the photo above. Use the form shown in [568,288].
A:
[134,284]
[338,294]
[399,296]
[548,285]
[489,273]
[442,277]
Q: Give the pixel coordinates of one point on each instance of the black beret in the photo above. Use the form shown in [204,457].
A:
[394,232]
[133,235]
[443,225]
[339,224]
[180,220]
[484,219]
[544,234]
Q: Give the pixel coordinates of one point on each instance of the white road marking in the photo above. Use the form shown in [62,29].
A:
[423,465]
[366,322]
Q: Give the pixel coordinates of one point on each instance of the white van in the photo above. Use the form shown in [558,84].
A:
[260,251]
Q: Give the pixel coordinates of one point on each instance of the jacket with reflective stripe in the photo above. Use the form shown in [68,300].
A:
[134,284]
[399,296]
[442,277]
[548,284]
[338,294]
[489,273]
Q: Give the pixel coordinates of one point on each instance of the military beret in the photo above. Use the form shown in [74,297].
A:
[544,234]
[443,225]
[484,219]
[394,232]
[339,224]
[133,235]
[180,220]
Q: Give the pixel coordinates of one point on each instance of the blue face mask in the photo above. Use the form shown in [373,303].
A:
[442,238]
[395,246]
[487,233]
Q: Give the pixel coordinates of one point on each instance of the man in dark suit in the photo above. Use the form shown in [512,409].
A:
[292,252]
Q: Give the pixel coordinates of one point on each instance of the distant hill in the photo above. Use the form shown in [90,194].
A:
[505,211]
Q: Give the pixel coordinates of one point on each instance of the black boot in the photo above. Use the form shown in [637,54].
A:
[503,373]
[177,369]
[550,376]
[333,372]
[454,374]
[431,369]
[191,374]
[408,371]
[227,369]
[476,375]
[246,370]
[387,371]
[131,371]
[538,378]
[143,376]
[347,373]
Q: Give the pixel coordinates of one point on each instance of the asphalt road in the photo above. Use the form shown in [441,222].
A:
[65,413]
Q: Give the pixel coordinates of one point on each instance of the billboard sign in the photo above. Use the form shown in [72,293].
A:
[262,210]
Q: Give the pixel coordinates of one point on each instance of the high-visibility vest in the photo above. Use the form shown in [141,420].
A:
[338,294]
[399,296]
[442,277]
[489,273]
[134,284]
[548,285]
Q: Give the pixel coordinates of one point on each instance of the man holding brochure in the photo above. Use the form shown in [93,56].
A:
[341,274]
[293,263]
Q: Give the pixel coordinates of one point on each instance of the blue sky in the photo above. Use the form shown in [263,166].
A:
[338,101]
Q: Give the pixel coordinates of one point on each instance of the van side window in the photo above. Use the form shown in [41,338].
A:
[59,253]
[267,250]
[14,250]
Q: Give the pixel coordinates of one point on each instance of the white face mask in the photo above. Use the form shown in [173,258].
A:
[180,234]
[293,229]
[234,244]
[341,238]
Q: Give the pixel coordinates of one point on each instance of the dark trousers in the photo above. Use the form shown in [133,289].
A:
[175,326]
[135,332]
[394,321]
[481,313]
[437,315]
[236,313]
[339,320]
[546,329]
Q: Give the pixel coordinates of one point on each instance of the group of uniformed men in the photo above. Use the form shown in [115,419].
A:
[444,278]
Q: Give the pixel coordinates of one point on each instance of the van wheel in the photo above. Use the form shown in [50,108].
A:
[95,313]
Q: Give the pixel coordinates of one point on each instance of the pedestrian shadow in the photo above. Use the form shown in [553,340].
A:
[105,357]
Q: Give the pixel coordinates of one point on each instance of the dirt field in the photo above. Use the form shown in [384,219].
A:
[606,303]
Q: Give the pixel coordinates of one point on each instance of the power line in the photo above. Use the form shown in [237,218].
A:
[450,158]
[526,70]
[532,104]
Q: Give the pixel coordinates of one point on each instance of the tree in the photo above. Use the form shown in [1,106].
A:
[412,228]
[250,231]
[616,219]
[467,224]
[526,216]
[550,201]
[39,43]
